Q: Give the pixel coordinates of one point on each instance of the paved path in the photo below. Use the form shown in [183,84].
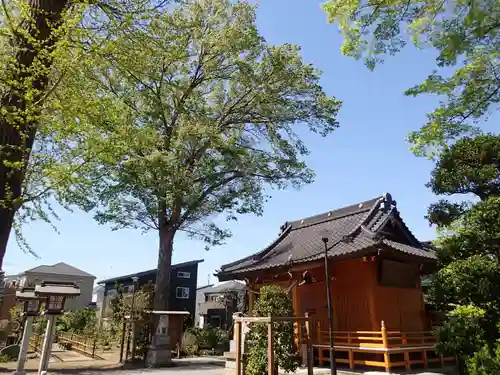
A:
[59,354]
[186,366]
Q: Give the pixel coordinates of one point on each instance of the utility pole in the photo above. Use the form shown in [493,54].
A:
[333,365]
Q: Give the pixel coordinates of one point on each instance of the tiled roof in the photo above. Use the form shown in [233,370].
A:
[350,229]
[59,269]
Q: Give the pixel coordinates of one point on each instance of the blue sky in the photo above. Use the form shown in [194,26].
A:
[364,158]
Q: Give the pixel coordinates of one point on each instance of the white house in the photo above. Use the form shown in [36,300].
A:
[62,272]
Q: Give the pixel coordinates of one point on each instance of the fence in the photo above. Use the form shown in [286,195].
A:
[85,345]
[302,330]
[36,342]
[382,348]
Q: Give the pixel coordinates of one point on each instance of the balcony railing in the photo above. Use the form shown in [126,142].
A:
[382,348]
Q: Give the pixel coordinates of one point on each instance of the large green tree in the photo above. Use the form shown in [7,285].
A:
[466,37]
[29,34]
[39,44]
[199,117]
[467,285]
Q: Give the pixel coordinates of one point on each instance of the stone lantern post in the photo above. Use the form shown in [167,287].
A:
[31,308]
[54,294]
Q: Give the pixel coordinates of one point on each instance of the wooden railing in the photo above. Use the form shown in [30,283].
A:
[301,327]
[85,345]
[35,343]
[382,348]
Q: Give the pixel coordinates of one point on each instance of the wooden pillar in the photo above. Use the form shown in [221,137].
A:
[237,340]
[385,342]
[406,355]
[181,336]
[296,301]
[374,315]
[350,353]
[425,359]
[270,349]
[309,351]
[297,312]
[251,299]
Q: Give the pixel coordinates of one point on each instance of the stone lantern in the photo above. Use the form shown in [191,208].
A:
[55,294]
[31,309]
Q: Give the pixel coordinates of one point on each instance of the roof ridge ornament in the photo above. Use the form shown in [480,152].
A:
[283,227]
[387,202]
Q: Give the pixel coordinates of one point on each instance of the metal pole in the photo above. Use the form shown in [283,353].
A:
[333,365]
[28,324]
[47,343]
[132,317]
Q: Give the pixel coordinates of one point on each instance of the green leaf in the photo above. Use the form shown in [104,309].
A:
[466,37]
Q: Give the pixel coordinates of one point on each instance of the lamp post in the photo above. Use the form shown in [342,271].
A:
[55,294]
[333,365]
[31,307]
[135,279]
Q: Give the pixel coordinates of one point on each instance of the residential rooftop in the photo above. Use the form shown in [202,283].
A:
[148,272]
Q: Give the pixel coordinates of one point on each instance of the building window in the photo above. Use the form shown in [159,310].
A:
[215,321]
[183,275]
[181,292]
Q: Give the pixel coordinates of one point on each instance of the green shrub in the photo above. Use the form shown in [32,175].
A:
[273,301]
[211,337]
[485,361]
[190,343]
[82,321]
[5,358]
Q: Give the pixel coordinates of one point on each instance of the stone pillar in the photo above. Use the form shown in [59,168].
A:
[28,325]
[47,345]
[159,353]
[232,343]
[245,328]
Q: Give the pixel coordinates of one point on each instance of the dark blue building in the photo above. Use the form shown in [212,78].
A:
[183,281]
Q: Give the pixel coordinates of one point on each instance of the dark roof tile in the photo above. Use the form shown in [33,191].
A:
[349,229]
[423,252]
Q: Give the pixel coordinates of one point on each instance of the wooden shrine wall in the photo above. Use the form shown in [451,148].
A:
[359,302]
[351,290]
[402,309]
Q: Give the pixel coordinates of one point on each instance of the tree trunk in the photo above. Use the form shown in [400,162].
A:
[17,134]
[6,220]
[162,287]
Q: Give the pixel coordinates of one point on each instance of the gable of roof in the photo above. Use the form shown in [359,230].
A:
[149,272]
[60,268]
[349,230]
